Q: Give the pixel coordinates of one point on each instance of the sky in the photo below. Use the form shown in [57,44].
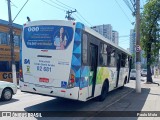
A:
[90,12]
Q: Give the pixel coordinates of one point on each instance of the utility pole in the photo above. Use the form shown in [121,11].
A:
[138,48]
[12,43]
[69,13]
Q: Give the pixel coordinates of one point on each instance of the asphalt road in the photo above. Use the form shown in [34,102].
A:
[32,102]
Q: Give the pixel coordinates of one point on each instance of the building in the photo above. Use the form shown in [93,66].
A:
[115,37]
[132,41]
[105,30]
[4,33]
[132,49]
[132,46]
[5,49]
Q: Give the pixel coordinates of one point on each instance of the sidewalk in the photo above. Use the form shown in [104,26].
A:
[147,100]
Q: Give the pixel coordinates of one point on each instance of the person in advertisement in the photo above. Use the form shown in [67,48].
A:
[60,40]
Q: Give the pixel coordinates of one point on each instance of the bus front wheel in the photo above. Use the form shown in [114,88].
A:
[104,91]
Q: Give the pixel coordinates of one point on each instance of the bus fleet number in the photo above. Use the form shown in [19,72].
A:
[46,69]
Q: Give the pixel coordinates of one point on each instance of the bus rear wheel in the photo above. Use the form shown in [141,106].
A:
[104,92]
[125,81]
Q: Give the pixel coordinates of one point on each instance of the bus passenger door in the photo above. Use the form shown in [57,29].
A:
[118,69]
[93,70]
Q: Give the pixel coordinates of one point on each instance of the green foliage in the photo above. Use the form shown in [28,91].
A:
[150,29]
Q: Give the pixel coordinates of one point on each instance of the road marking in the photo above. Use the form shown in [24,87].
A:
[117,100]
[110,105]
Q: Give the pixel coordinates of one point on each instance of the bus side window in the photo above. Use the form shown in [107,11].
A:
[111,57]
[126,65]
[103,55]
[123,60]
[100,54]
[84,58]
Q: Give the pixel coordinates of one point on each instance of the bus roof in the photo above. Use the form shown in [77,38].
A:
[98,35]
[49,22]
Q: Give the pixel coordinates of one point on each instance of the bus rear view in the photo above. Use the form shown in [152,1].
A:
[45,58]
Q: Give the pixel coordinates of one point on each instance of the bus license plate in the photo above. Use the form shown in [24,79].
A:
[45,80]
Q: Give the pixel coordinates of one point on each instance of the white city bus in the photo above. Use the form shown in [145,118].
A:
[69,60]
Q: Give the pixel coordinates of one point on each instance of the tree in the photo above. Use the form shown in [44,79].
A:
[150,34]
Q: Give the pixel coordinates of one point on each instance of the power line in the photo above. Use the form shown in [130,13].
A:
[77,12]
[125,36]
[65,5]
[132,2]
[14,5]
[128,4]
[128,40]
[53,5]
[59,4]
[123,12]
[133,5]
[20,10]
[143,2]
[124,43]
[77,17]
[84,19]
[124,40]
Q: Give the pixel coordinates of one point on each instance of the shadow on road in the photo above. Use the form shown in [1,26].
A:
[131,102]
[61,104]
[8,102]
[130,105]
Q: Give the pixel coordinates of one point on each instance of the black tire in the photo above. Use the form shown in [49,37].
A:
[7,94]
[125,81]
[103,92]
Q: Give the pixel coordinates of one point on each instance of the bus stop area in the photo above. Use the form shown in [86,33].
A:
[145,104]
[134,106]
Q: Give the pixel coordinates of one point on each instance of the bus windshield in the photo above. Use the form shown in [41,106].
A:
[48,37]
